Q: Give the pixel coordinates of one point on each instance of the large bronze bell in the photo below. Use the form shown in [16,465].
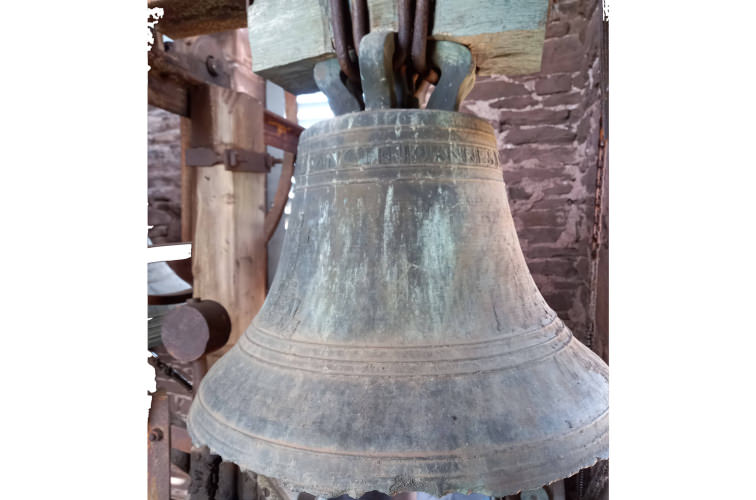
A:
[404,344]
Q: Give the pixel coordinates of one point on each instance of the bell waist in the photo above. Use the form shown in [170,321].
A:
[452,359]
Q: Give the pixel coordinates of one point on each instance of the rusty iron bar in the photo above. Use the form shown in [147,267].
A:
[360,23]
[159,448]
[280,132]
[340,25]
[420,37]
[281,197]
[404,36]
[169,371]
[402,68]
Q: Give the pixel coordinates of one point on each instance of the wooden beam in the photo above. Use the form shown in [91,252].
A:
[281,133]
[167,93]
[184,18]
[290,106]
[288,37]
[183,66]
[188,184]
[229,252]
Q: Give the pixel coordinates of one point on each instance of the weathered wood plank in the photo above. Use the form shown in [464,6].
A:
[504,37]
[290,112]
[221,59]
[183,18]
[168,94]
[229,259]
[188,184]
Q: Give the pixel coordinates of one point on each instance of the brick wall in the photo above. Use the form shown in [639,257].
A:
[547,129]
[163,176]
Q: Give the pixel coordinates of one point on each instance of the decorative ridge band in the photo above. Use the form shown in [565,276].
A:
[494,355]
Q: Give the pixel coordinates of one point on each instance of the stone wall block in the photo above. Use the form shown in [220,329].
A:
[552,252]
[592,34]
[538,174]
[541,135]
[561,301]
[163,176]
[547,156]
[569,99]
[553,267]
[568,8]
[517,193]
[543,218]
[534,117]
[540,234]
[587,6]
[562,55]
[557,29]
[519,102]
[553,85]
[559,188]
[489,89]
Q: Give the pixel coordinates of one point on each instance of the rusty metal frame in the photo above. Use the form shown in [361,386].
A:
[360,23]
[273,216]
[420,37]
[404,35]
[341,25]
[159,448]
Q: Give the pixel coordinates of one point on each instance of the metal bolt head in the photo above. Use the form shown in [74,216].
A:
[212,65]
[156,434]
[266,492]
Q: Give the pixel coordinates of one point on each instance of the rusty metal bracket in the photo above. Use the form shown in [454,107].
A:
[420,37]
[280,132]
[238,160]
[282,194]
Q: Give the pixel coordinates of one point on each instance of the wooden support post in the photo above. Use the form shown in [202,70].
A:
[291,106]
[228,252]
[188,184]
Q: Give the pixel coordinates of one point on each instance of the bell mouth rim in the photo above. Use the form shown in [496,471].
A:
[456,119]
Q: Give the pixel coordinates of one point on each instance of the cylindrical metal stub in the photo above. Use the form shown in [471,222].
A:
[195,329]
